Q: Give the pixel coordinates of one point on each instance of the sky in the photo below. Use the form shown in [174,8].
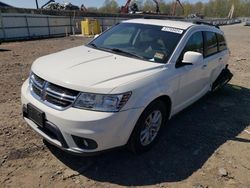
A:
[87,3]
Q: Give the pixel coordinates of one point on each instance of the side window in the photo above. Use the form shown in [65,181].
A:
[195,43]
[221,42]
[211,43]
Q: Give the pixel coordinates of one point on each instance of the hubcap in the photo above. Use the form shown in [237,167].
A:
[152,126]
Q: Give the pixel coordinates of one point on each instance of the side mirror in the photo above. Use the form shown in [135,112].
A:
[190,58]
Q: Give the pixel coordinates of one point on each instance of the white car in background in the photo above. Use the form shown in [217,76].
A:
[123,86]
[247,22]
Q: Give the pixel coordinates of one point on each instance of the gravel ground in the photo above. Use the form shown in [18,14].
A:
[206,145]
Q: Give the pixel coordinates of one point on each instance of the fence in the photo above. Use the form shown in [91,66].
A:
[15,26]
[29,26]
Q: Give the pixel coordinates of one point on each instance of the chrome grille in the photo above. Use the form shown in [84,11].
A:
[37,80]
[50,94]
[36,90]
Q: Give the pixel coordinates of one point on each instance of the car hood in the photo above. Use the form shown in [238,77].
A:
[91,70]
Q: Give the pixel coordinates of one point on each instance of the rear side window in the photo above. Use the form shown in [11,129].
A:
[221,42]
[211,43]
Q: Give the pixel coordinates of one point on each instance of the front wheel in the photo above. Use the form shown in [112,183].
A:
[148,127]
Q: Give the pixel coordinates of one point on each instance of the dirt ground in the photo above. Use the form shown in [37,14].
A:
[206,145]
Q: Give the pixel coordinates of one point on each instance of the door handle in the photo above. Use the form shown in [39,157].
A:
[204,66]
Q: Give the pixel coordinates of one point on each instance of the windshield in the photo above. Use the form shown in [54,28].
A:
[147,42]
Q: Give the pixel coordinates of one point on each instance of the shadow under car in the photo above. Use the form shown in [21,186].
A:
[187,142]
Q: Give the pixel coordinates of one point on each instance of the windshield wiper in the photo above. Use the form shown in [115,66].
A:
[126,52]
[93,45]
[117,50]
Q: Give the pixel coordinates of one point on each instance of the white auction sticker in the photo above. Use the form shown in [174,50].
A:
[172,30]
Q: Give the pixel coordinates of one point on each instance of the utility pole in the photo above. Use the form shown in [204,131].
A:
[37,7]
[231,12]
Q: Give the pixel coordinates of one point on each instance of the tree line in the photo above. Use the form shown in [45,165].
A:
[212,8]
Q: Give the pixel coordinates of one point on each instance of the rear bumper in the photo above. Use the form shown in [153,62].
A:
[107,130]
[224,77]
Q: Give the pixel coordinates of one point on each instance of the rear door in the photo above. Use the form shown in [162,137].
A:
[215,55]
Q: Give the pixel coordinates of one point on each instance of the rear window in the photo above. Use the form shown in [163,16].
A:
[221,42]
[211,43]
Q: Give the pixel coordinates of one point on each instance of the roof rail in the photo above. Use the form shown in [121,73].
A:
[147,17]
[205,23]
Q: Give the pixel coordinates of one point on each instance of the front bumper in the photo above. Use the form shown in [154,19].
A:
[108,130]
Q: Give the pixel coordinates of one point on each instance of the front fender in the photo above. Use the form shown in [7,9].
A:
[150,93]
[147,89]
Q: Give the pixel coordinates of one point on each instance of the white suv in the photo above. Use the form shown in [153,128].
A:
[123,86]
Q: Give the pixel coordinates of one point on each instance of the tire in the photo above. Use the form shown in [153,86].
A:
[138,142]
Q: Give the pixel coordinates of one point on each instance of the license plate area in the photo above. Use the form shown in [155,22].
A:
[36,115]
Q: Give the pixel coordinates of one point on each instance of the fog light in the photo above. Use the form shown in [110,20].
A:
[84,143]
[25,111]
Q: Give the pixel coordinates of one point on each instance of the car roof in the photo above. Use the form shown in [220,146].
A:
[165,23]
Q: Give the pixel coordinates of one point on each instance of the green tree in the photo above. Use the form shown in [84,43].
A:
[212,8]
[188,8]
[92,9]
[148,6]
[165,8]
[110,6]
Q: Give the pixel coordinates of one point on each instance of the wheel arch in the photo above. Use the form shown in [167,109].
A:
[162,98]
[167,102]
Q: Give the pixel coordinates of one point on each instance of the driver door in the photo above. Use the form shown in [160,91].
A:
[192,78]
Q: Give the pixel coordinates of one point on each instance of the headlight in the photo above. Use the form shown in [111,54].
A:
[99,102]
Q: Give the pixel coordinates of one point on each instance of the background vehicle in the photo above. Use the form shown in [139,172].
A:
[52,5]
[247,23]
[124,85]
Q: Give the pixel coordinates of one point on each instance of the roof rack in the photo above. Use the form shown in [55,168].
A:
[205,23]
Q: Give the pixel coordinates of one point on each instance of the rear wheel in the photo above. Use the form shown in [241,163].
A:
[148,127]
